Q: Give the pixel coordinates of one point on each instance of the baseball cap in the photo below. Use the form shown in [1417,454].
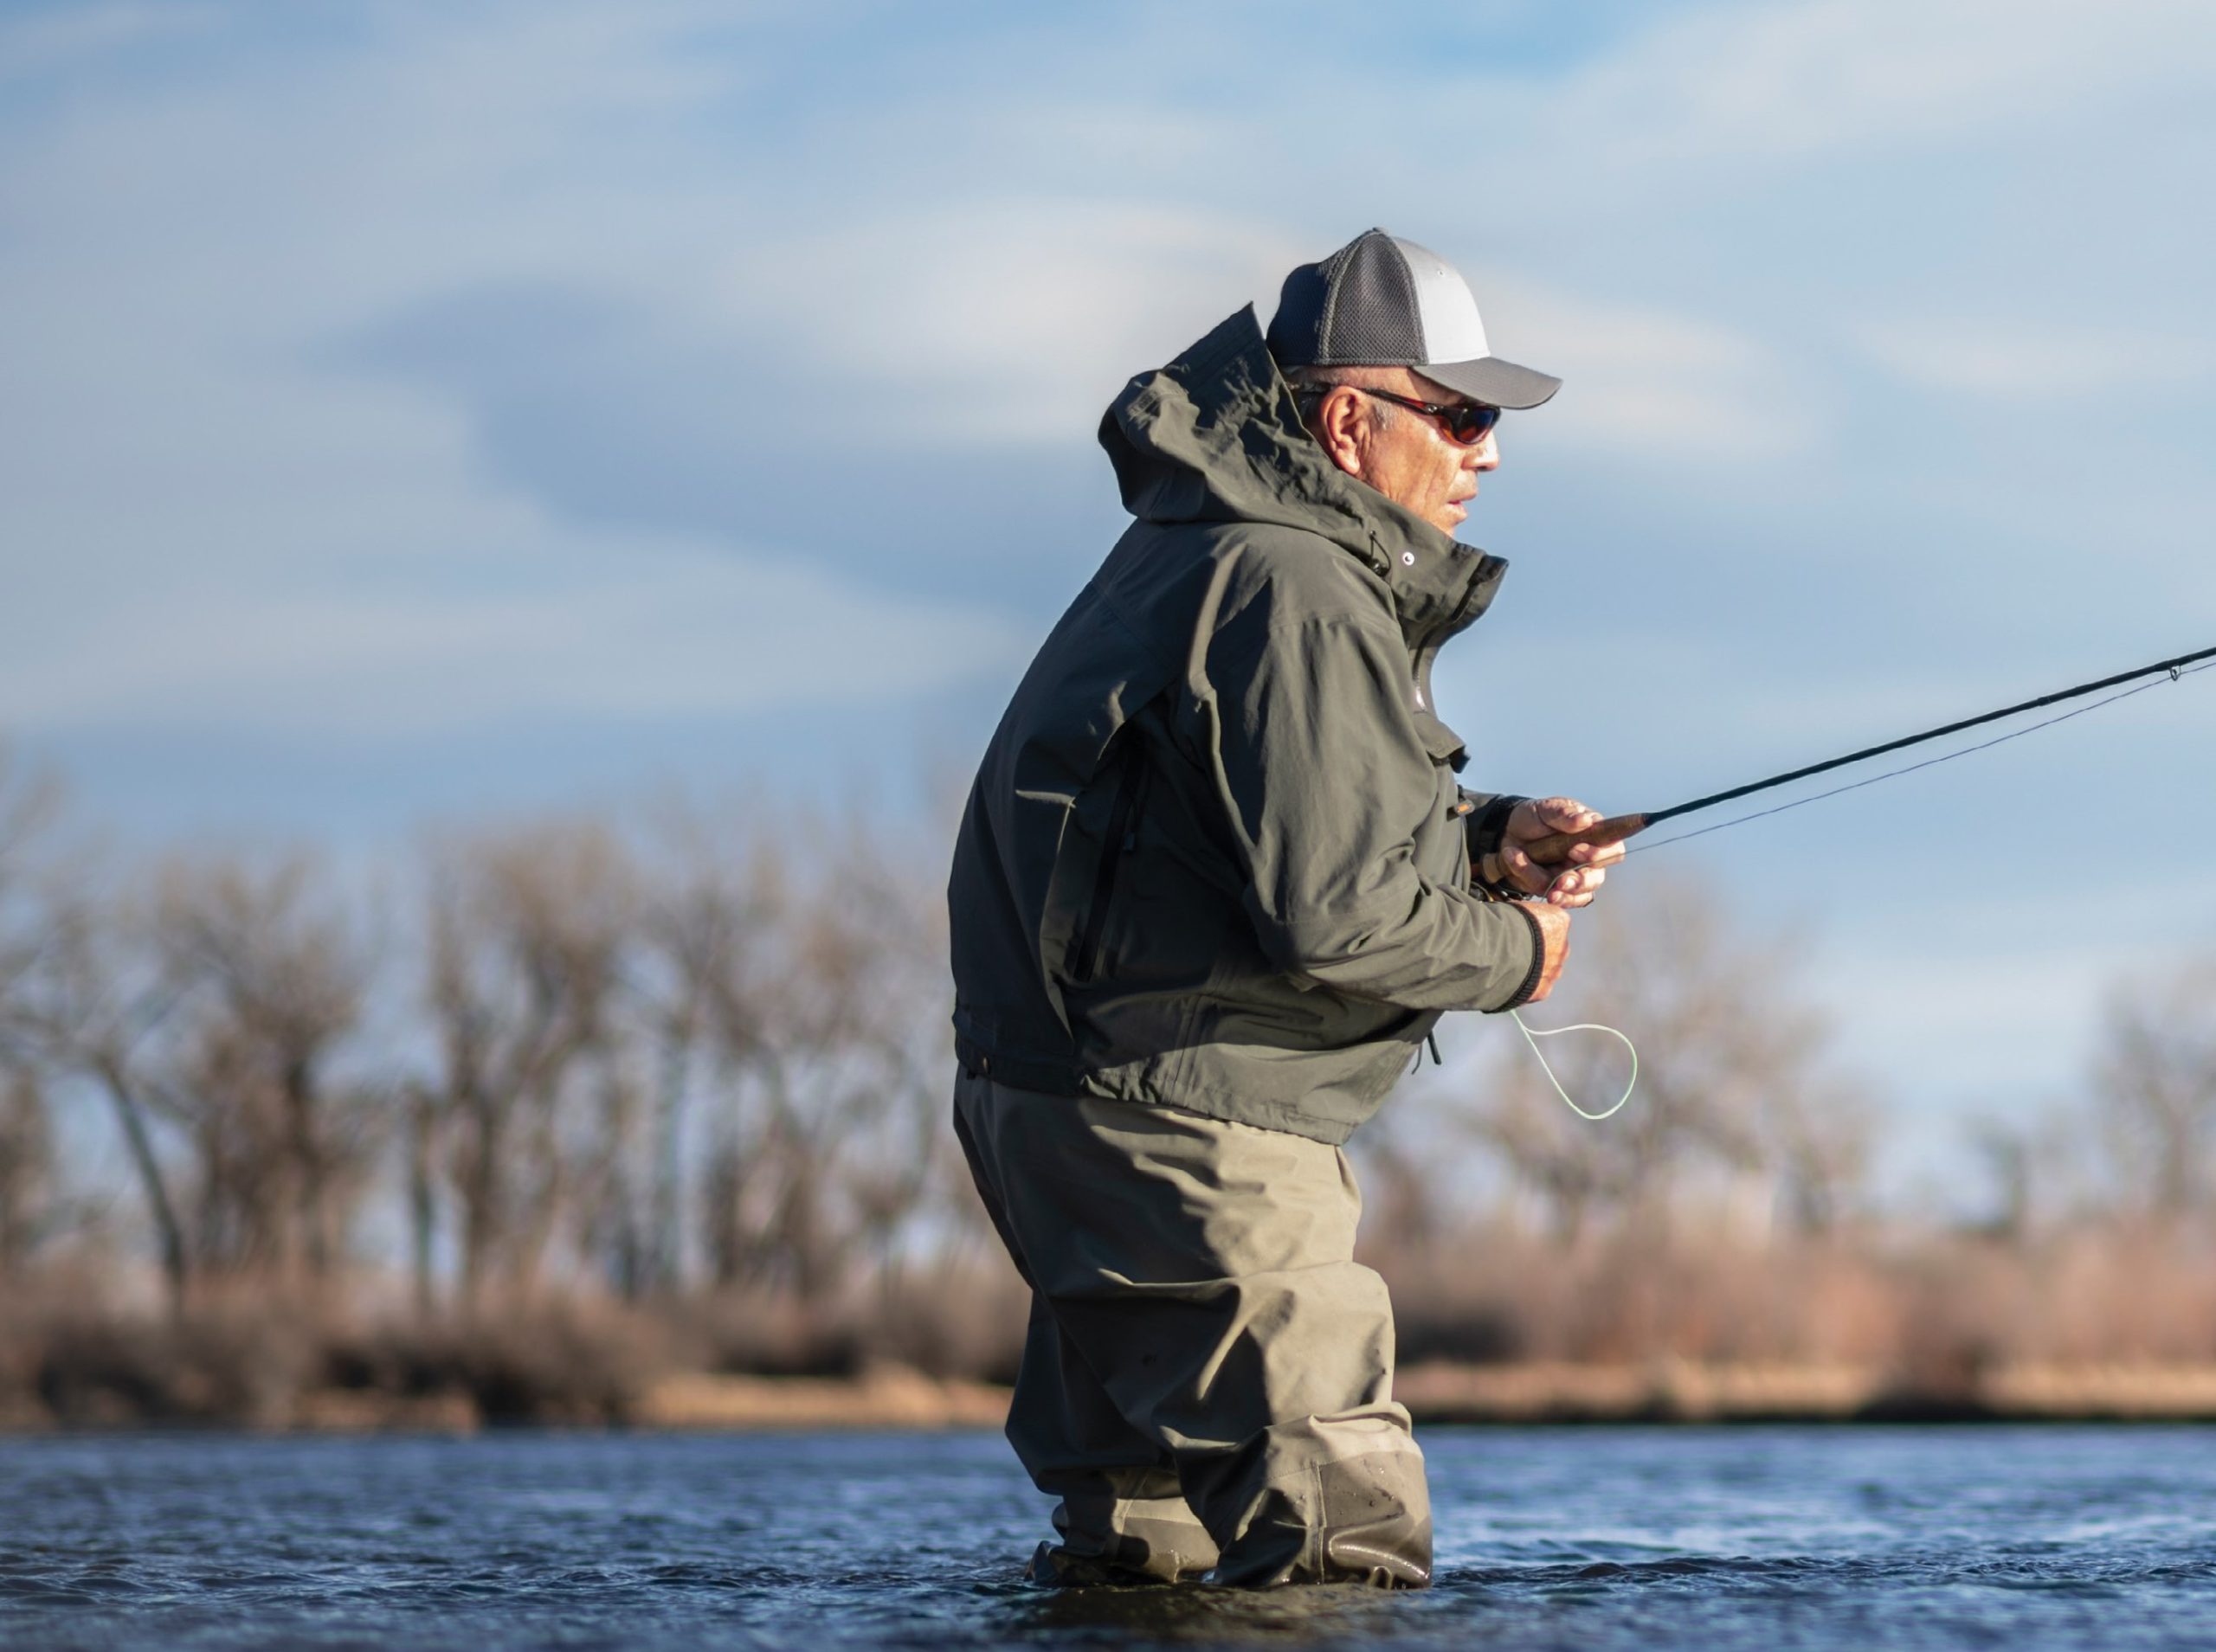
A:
[1379,301]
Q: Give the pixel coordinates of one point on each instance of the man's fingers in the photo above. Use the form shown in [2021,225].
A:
[1576,888]
[1566,814]
[1597,854]
[1523,872]
[1543,816]
[1585,861]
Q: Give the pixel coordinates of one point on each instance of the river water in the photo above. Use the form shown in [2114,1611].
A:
[1584,1538]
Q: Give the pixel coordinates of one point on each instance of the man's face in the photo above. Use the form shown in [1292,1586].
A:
[1406,456]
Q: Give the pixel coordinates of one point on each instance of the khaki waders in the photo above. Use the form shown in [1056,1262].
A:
[1206,1382]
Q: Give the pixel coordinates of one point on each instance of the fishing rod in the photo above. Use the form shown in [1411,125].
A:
[1553,849]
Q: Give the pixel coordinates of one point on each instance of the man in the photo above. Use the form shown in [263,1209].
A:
[1215,885]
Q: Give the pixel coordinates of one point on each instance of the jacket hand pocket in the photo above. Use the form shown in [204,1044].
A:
[1119,839]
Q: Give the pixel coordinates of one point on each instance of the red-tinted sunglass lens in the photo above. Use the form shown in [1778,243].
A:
[1469,425]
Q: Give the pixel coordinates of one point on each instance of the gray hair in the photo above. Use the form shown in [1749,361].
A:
[1309,385]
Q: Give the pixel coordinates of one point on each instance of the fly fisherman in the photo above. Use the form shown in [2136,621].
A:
[1215,885]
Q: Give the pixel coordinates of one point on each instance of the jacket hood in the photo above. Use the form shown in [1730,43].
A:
[1215,436]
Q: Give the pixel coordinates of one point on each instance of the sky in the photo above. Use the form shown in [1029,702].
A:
[418,413]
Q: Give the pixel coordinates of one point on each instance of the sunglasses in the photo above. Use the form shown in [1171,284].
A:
[1467,423]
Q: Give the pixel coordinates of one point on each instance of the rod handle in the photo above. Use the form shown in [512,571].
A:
[1553,850]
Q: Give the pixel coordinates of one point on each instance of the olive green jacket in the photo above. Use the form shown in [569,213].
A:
[1215,858]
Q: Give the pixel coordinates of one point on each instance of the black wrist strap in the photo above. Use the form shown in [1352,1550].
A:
[1484,830]
[1487,825]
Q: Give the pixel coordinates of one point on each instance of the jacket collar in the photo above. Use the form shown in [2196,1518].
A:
[1216,436]
[1439,585]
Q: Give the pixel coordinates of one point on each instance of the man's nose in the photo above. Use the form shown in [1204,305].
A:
[1485,456]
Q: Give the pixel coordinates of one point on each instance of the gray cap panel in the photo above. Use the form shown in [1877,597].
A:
[1383,302]
[1371,315]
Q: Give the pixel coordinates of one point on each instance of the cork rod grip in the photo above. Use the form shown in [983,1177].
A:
[1553,850]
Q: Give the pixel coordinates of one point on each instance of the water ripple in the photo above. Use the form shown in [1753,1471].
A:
[1595,1539]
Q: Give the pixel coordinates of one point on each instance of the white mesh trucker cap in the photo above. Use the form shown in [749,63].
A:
[1379,301]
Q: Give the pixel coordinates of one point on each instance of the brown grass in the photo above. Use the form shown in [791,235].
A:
[1496,1324]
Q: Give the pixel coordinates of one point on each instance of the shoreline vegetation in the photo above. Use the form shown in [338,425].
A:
[616,1121]
[893,1396]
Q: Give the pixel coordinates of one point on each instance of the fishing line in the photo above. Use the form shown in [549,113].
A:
[1623,826]
[2174,667]
[2175,674]
[1554,848]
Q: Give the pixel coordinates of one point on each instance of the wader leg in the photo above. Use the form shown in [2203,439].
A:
[1308,1503]
[1123,1516]
[1193,1282]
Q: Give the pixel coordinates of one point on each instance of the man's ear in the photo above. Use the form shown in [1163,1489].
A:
[1342,428]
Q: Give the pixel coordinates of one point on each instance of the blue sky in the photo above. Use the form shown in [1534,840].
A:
[418,412]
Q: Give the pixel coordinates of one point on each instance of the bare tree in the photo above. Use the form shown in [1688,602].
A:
[2039,1176]
[611,1197]
[27,807]
[29,1204]
[267,979]
[27,1195]
[829,1026]
[1817,1137]
[91,1010]
[527,934]
[707,954]
[2154,1088]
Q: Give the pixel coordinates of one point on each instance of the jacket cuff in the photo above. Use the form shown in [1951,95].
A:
[1484,826]
[1522,995]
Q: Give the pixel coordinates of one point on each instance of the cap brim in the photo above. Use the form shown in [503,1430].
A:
[1492,380]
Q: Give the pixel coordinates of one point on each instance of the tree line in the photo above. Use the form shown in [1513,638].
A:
[680,1057]
[561,1058]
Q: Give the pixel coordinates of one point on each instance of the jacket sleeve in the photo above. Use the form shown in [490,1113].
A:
[1326,782]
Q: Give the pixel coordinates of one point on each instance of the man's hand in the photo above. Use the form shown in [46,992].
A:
[1554,933]
[1572,885]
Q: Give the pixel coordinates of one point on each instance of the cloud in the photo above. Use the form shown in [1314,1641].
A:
[974,256]
[1649,384]
[1009,321]
[559,622]
[49,42]
[1768,87]
[1980,357]
[206,522]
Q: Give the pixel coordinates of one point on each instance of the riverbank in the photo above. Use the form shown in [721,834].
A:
[1683,1391]
[895,1397]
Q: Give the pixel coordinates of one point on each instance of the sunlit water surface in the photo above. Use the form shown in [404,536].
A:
[1587,1539]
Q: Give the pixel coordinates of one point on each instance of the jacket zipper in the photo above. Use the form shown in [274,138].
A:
[1122,837]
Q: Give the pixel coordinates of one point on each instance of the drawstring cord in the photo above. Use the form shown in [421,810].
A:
[1532,1035]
